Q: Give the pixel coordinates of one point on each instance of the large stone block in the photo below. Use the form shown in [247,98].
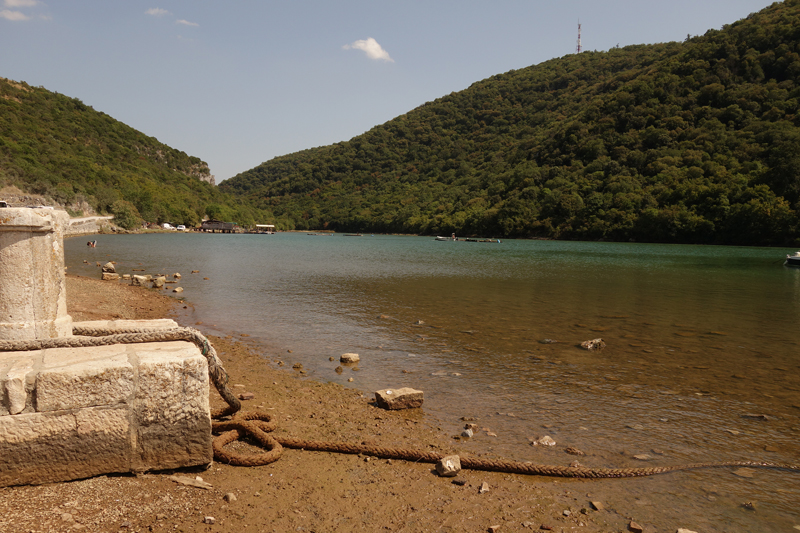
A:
[70,413]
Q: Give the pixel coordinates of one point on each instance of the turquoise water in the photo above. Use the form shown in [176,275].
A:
[699,339]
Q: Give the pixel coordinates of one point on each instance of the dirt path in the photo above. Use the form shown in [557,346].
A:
[303,491]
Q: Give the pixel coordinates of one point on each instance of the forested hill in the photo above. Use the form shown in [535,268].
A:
[60,148]
[693,142]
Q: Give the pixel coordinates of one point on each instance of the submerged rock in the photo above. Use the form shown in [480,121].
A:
[594,344]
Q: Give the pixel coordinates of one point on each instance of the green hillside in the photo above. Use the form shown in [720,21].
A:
[692,142]
[60,148]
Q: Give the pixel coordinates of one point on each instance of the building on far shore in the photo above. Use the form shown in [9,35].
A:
[217,226]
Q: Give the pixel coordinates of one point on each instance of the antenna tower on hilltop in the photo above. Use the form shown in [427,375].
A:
[579,48]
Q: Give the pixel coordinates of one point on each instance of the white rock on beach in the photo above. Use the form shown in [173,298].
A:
[449,466]
[349,358]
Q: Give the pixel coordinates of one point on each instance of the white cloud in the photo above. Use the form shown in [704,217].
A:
[13,15]
[20,3]
[186,23]
[156,12]
[371,47]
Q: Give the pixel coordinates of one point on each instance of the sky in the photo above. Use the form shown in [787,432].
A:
[239,82]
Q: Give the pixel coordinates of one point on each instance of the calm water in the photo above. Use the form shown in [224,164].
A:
[701,342]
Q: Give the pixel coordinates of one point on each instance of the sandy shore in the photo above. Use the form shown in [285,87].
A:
[303,491]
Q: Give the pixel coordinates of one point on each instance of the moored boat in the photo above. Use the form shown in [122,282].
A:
[793,260]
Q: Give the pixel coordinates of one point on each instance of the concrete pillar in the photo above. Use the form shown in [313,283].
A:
[33,300]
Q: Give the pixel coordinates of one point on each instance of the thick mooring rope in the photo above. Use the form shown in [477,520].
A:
[259,425]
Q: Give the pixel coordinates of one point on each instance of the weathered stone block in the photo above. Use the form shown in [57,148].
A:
[46,447]
[86,384]
[171,432]
[405,398]
[110,276]
[138,281]
[104,409]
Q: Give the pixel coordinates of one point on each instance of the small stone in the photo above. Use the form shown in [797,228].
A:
[493,529]
[528,523]
[125,524]
[573,451]
[405,398]
[177,289]
[419,323]
[195,271]
[635,426]
[576,464]
[548,341]
[247,396]
[484,488]
[349,358]
[468,433]
[449,466]
[66,517]
[636,528]
[205,279]
[338,369]
[110,276]
[350,380]
[594,344]
[459,482]
[159,282]
[109,267]
[491,434]
[209,520]
[331,358]
[472,426]
[546,527]
[744,472]
[643,457]
[544,441]
[229,497]
[176,275]
[567,512]
[297,366]
[597,506]
[750,506]
[681,530]
[770,449]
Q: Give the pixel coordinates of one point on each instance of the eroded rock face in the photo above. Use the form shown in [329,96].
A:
[405,398]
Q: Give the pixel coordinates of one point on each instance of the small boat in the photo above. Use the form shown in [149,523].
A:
[353,235]
[793,260]
[446,239]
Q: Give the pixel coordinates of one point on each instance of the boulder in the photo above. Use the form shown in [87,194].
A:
[109,267]
[158,282]
[449,466]
[110,276]
[405,398]
[176,275]
[138,281]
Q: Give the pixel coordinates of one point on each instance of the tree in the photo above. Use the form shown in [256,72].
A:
[126,215]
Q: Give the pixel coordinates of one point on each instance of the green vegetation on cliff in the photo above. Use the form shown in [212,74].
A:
[680,142]
[58,147]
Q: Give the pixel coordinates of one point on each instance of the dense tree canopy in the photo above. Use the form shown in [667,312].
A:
[678,142]
[59,147]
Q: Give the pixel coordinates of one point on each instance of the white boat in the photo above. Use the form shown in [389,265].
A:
[793,260]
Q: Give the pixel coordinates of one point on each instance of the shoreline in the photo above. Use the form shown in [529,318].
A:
[312,491]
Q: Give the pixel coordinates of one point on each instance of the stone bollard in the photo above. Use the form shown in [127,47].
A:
[33,301]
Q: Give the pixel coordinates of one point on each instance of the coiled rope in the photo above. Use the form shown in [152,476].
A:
[231,423]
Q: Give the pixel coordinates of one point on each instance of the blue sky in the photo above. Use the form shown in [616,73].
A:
[239,82]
